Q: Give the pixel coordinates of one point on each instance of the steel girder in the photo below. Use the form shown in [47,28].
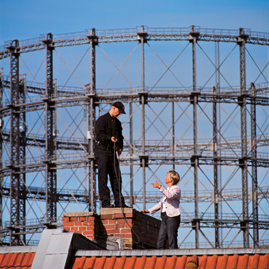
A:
[216,148]
[127,35]
[79,162]
[143,100]
[72,95]
[242,63]
[186,197]
[255,204]
[1,154]
[91,116]
[194,159]
[17,149]
[50,128]
[216,171]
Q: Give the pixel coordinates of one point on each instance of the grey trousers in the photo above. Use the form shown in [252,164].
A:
[168,230]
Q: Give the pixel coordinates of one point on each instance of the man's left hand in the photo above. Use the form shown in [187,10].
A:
[119,152]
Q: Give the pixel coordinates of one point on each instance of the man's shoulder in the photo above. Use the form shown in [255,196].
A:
[118,121]
[103,116]
[174,187]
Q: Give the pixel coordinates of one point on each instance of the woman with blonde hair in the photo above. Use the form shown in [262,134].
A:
[169,207]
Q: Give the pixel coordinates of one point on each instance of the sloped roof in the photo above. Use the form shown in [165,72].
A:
[146,259]
[77,254]
[23,260]
[17,260]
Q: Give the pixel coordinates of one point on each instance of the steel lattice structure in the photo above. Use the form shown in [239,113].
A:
[215,135]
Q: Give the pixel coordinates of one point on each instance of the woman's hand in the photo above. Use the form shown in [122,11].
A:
[155,184]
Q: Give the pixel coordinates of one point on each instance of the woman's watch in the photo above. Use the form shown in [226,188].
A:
[159,186]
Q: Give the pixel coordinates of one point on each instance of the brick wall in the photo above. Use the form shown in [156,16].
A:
[138,230]
[85,223]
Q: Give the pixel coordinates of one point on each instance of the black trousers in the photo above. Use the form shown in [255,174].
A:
[108,164]
[168,230]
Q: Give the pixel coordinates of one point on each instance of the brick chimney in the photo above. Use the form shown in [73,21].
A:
[137,230]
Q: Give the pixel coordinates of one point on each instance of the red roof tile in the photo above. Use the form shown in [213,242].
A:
[24,260]
[257,261]
[89,262]
[13,259]
[16,260]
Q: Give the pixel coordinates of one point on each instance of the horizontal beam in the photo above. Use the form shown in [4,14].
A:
[133,35]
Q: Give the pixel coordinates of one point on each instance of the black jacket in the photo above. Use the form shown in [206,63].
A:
[106,127]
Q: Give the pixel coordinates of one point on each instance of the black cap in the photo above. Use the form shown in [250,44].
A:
[120,106]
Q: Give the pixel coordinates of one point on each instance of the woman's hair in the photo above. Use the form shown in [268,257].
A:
[175,176]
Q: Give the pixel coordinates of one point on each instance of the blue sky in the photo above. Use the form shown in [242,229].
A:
[28,19]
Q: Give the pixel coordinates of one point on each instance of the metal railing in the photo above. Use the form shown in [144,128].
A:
[125,33]
[225,244]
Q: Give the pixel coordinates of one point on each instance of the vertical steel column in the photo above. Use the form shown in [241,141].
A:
[91,116]
[85,131]
[1,157]
[131,200]
[217,65]
[195,159]
[55,130]
[218,120]
[255,204]
[17,204]
[216,148]
[243,110]
[22,128]
[215,168]
[51,198]
[143,39]
[173,133]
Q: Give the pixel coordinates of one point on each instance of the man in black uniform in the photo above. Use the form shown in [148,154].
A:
[109,141]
